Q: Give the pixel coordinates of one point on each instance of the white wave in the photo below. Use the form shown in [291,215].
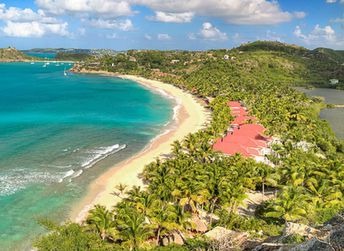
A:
[76,150]
[176,109]
[75,175]
[67,174]
[56,166]
[101,154]
[19,179]
[163,93]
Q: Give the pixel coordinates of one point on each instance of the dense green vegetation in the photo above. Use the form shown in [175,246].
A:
[197,183]
[66,56]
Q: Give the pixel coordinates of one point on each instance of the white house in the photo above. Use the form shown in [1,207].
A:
[334,81]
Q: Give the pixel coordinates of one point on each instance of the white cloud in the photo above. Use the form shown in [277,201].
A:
[298,32]
[299,14]
[81,31]
[169,17]
[148,37]
[338,20]
[28,23]
[210,32]
[124,25]
[192,36]
[103,8]
[24,15]
[164,37]
[334,1]
[320,36]
[34,29]
[251,12]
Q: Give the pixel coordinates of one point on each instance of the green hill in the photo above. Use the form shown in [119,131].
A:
[13,55]
[336,55]
[73,56]
[261,61]
[314,67]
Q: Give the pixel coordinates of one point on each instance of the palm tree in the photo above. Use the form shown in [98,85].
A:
[177,148]
[163,218]
[266,176]
[132,228]
[290,205]
[102,219]
[120,190]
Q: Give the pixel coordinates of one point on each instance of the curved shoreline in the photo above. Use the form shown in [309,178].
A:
[189,117]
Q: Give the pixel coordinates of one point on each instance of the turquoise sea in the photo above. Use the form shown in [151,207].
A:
[58,133]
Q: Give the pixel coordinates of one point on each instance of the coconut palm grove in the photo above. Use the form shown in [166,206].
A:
[199,192]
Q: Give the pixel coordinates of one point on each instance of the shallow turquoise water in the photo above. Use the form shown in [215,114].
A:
[58,133]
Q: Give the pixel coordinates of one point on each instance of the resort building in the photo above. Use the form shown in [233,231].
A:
[244,136]
[334,81]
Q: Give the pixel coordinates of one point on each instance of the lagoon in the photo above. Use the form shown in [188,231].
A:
[334,116]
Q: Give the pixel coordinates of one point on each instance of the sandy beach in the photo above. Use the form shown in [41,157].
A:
[190,116]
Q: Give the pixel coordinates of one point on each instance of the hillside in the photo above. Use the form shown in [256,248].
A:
[66,56]
[13,55]
[336,55]
[254,62]
[315,67]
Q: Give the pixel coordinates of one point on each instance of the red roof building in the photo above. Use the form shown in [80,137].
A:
[246,139]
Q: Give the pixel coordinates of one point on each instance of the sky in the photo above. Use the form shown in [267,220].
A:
[169,24]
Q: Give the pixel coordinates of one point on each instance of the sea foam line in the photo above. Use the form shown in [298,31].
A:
[102,154]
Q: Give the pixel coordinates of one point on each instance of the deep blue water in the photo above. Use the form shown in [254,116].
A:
[58,133]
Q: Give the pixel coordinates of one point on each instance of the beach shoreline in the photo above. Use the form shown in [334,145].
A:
[189,116]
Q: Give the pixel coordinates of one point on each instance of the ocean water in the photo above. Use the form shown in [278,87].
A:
[58,133]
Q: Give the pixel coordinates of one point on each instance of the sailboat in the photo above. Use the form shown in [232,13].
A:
[64,72]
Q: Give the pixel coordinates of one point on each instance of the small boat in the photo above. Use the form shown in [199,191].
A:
[45,65]
[32,63]
[64,72]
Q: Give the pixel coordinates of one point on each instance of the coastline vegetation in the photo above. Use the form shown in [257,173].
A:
[199,187]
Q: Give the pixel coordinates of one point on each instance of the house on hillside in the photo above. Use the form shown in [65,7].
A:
[225,57]
[132,59]
[175,61]
[334,81]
